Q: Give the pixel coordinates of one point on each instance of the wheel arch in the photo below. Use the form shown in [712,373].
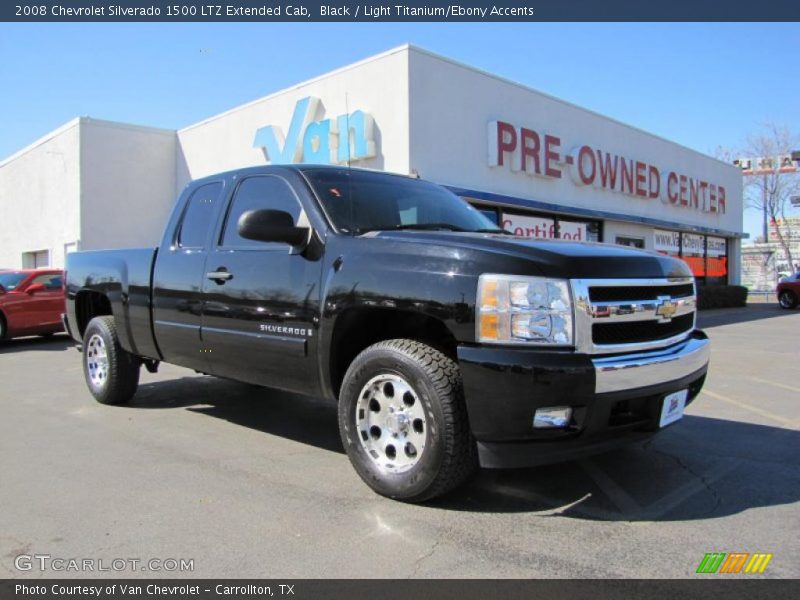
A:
[360,327]
[88,305]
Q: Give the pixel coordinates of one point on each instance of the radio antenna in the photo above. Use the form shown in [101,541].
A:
[347,112]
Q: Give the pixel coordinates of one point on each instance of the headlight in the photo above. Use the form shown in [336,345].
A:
[514,309]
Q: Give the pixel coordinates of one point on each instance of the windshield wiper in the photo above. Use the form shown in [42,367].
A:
[503,231]
[432,227]
[420,226]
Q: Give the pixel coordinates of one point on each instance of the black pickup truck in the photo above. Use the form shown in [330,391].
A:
[446,342]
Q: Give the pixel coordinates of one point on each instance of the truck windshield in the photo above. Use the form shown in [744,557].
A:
[8,281]
[361,201]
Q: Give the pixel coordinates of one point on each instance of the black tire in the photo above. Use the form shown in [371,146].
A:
[449,457]
[787,299]
[2,327]
[116,381]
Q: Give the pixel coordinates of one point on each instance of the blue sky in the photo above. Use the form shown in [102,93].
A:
[701,85]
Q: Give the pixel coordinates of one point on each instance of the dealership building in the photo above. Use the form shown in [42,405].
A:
[539,166]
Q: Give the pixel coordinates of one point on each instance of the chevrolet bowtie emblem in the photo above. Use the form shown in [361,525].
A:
[666,309]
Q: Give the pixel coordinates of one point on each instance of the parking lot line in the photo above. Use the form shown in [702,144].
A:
[791,388]
[619,497]
[678,496]
[763,413]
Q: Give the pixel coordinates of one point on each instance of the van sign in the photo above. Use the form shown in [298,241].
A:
[348,137]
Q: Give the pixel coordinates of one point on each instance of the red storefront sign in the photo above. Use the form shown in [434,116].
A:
[533,153]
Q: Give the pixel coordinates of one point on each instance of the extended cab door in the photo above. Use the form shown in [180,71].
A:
[261,303]
[179,274]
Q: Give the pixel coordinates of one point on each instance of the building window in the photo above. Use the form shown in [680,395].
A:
[667,242]
[705,255]
[578,231]
[549,227]
[716,260]
[693,252]
[633,242]
[490,213]
[594,231]
[36,259]
[530,226]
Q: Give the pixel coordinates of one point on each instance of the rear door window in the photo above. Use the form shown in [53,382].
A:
[197,216]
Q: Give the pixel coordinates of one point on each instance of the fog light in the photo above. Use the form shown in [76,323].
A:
[552,417]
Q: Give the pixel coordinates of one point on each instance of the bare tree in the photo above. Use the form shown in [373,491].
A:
[771,186]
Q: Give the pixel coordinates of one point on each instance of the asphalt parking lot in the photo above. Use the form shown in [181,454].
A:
[249,482]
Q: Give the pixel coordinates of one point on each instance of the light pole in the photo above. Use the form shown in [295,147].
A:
[764,201]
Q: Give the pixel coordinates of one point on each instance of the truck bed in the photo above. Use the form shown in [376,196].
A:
[125,278]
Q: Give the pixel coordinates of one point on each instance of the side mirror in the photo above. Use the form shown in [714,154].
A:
[267,225]
[32,289]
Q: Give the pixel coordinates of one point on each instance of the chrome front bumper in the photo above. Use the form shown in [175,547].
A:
[631,371]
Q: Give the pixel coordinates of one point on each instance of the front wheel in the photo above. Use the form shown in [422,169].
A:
[403,421]
[111,373]
[787,299]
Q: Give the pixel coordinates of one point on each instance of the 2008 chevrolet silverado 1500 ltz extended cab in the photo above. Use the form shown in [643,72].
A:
[446,341]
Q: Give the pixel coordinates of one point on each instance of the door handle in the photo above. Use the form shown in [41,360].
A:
[219,276]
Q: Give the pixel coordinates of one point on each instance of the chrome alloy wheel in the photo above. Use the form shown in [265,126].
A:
[785,299]
[391,423]
[97,361]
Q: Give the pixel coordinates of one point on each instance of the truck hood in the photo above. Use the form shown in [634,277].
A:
[554,258]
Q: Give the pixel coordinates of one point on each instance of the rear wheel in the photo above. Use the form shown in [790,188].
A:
[111,373]
[787,299]
[403,421]
[2,327]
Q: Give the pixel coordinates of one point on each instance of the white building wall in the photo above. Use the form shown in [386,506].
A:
[452,106]
[378,86]
[127,184]
[39,198]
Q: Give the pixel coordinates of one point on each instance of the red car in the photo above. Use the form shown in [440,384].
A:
[31,302]
[789,291]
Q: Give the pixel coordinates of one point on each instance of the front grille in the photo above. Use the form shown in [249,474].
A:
[634,293]
[632,315]
[632,332]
